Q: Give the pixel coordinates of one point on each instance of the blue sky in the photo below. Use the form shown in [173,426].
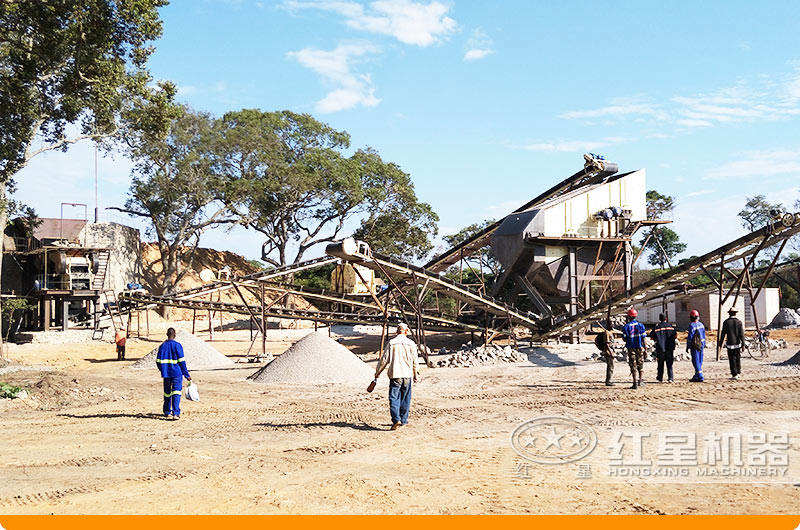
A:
[487,104]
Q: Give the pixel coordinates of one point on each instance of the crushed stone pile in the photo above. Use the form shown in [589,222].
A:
[786,318]
[793,360]
[199,355]
[316,359]
[470,355]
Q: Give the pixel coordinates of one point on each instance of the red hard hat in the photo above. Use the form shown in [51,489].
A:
[632,312]
[694,313]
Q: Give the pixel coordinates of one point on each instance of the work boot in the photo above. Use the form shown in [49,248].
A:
[394,427]
[641,379]
[635,385]
[609,383]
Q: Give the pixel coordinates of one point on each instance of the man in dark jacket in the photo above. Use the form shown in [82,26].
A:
[664,336]
[733,337]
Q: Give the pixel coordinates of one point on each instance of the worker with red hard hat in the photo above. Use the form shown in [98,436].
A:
[695,344]
[634,334]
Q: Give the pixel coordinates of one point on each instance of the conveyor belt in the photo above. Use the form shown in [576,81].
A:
[224,285]
[404,271]
[430,322]
[743,247]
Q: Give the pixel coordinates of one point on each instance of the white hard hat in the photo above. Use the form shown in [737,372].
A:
[402,326]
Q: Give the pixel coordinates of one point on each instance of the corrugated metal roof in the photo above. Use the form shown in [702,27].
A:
[52,228]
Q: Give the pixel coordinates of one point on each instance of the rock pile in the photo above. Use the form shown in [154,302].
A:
[316,359]
[199,355]
[786,318]
[470,355]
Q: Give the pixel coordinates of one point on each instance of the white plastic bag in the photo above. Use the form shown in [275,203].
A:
[192,394]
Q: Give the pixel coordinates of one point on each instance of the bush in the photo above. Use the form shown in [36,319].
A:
[9,391]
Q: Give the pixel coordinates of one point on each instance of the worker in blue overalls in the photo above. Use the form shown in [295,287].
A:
[172,365]
[695,344]
[634,334]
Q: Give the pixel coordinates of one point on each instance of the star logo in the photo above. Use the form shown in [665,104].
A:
[553,440]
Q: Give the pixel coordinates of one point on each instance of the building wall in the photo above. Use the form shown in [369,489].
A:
[767,304]
[125,261]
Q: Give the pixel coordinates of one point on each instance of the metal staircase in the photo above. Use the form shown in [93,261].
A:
[99,278]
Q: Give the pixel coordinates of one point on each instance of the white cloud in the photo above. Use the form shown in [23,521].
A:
[746,101]
[758,164]
[479,45]
[619,107]
[474,55]
[564,146]
[698,193]
[416,23]
[336,68]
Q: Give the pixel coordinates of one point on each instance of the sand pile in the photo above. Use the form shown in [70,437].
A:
[316,359]
[786,318]
[199,355]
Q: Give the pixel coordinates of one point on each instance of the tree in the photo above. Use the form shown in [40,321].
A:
[70,63]
[68,71]
[758,212]
[485,255]
[658,204]
[402,231]
[174,188]
[286,176]
[664,244]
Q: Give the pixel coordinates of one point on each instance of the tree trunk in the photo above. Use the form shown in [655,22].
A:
[3,221]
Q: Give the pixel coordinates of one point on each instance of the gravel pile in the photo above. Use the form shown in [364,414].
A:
[316,359]
[470,355]
[793,360]
[199,355]
[786,318]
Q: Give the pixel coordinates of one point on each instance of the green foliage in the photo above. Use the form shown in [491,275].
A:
[661,243]
[257,264]
[174,188]
[664,244]
[286,175]
[485,255]
[658,205]
[9,391]
[76,62]
[758,212]
[12,305]
[402,232]
[316,278]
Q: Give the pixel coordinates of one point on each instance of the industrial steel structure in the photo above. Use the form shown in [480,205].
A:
[567,261]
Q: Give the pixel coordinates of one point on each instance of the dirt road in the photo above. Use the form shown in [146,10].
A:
[94,443]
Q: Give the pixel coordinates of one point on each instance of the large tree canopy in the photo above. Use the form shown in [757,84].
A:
[288,177]
[174,189]
[69,69]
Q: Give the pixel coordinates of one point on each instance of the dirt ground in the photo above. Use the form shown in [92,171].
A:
[91,439]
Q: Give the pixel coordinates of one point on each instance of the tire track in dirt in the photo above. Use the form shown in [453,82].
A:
[72,462]
[56,495]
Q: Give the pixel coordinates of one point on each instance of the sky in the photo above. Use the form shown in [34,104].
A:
[486,104]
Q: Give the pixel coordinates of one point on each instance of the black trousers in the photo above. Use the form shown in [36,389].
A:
[665,357]
[735,361]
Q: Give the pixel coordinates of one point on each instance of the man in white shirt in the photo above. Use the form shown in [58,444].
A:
[400,357]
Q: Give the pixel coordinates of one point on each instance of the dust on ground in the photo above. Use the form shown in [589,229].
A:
[91,440]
